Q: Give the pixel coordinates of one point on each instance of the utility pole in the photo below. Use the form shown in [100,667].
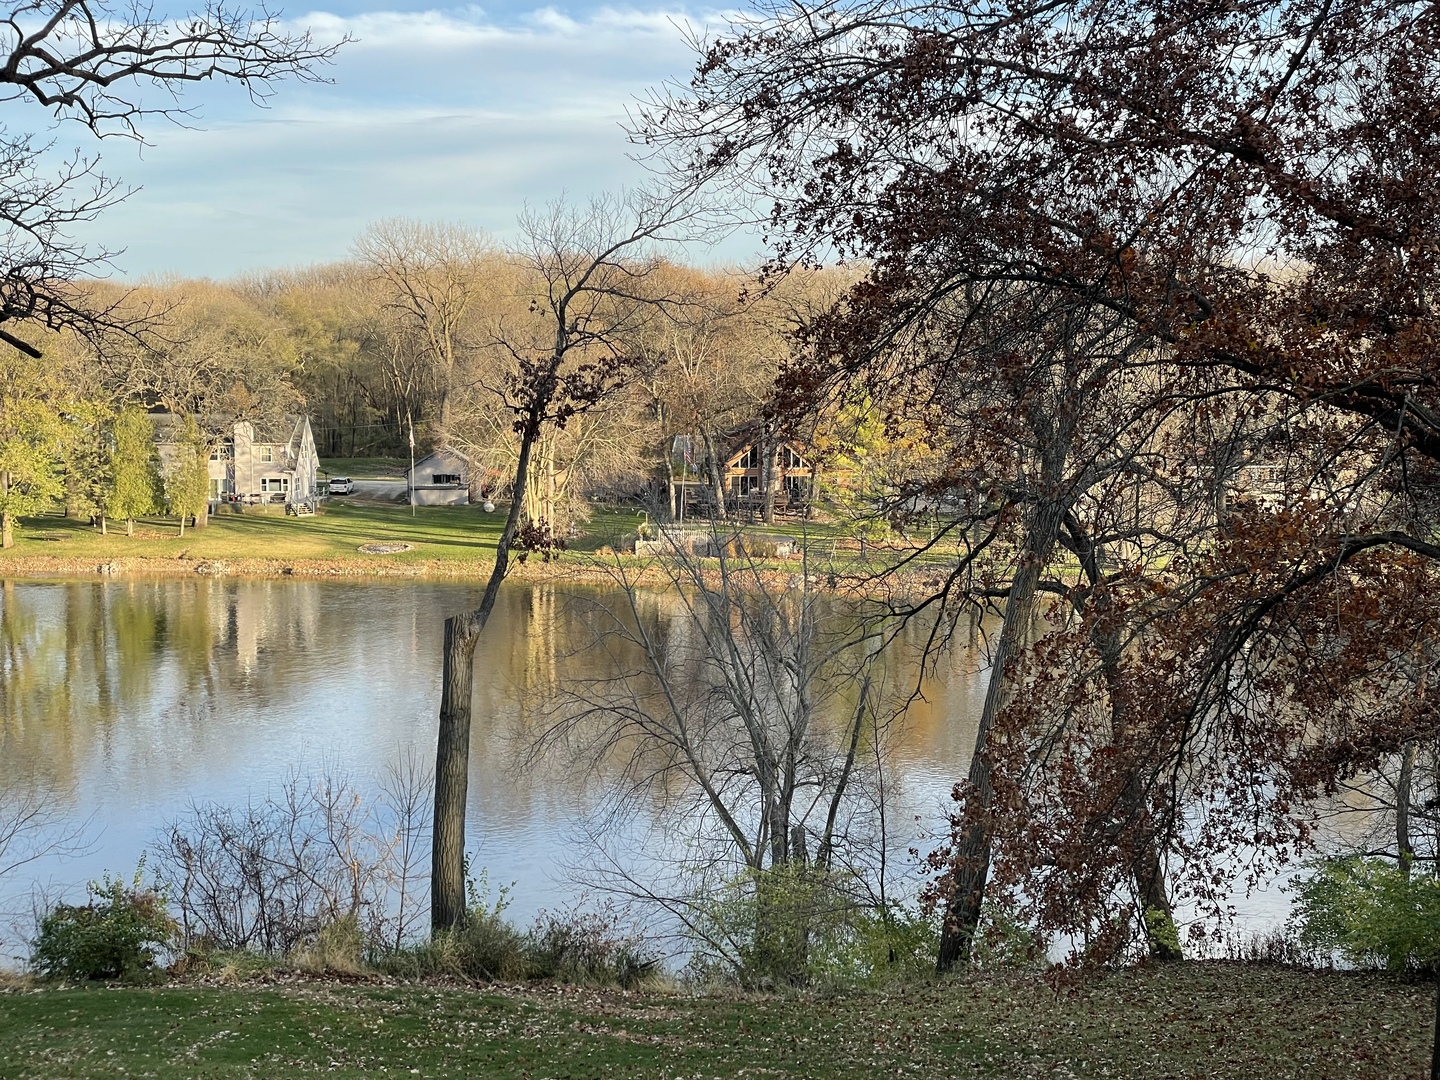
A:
[410,476]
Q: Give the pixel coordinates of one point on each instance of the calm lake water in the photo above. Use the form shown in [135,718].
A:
[138,698]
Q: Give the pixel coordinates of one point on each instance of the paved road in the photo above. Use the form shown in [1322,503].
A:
[389,490]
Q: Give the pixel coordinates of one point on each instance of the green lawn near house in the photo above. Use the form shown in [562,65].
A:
[1212,1021]
[443,534]
[447,538]
[366,468]
[441,539]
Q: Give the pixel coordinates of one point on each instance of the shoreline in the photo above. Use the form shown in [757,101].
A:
[163,566]
[639,571]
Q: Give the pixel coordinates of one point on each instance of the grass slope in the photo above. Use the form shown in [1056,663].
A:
[1216,1021]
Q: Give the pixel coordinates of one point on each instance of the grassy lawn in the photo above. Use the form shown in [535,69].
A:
[365,468]
[1212,1021]
[459,537]
[446,534]
[442,539]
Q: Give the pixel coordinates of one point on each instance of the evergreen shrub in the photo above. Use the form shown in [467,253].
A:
[120,934]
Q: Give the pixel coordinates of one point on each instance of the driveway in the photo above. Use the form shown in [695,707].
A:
[383,490]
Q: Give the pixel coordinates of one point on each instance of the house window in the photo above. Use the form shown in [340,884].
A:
[443,479]
[275,483]
[790,459]
[267,453]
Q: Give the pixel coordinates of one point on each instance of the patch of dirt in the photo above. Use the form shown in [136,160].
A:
[384,548]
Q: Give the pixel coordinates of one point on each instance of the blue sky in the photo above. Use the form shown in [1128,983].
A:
[460,114]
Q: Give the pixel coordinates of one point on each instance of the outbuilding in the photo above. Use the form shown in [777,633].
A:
[441,478]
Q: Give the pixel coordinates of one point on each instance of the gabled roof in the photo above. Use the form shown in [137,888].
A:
[286,430]
[740,449]
[443,450]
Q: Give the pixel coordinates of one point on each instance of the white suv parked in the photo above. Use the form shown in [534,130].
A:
[341,485]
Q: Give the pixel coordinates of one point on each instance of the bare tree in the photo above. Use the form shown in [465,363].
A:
[741,716]
[714,704]
[430,280]
[35,825]
[90,61]
[273,873]
[594,269]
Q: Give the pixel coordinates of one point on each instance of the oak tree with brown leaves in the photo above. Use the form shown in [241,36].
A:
[1249,189]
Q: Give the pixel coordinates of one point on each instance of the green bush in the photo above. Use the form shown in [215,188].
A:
[800,925]
[1371,912]
[588,947]
[896,944]
[119,934]
[573,946]
[486,947]
[1005,942]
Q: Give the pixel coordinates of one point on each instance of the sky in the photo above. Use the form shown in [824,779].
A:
[456,114]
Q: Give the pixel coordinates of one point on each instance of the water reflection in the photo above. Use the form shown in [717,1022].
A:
[137,697]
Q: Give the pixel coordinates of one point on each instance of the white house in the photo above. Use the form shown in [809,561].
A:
[279,463]
[441,478]
[272,463]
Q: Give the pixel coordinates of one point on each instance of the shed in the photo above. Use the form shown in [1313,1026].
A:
[441,478]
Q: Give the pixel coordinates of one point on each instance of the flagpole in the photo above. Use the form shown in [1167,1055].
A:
[411,483]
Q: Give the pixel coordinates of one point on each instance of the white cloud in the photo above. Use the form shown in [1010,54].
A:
[432,114]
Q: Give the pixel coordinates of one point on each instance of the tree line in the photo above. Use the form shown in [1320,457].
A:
[429,330]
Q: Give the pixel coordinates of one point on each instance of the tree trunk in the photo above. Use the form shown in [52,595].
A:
[7,528]
[452,772]
[1435,1039]
[129,526]
[971,859]
[767,482]
[182,524]
[1161,933]
[717,481]
[442,437]
[452,745]
[1404,849]
[664,478]
[102,526]
[550,488]
[202,516]
[1147,864]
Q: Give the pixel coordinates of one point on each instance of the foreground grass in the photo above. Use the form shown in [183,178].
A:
[1205,1020]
